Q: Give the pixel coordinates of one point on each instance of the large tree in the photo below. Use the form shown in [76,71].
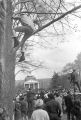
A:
[43,14]
[7,59]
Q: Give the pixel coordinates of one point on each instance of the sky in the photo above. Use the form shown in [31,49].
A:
[55,59]
[60,53]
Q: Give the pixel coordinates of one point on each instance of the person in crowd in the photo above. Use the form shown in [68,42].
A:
[75,79]
[63,103]
[23,108]
[39,113]
[26,27]
[2,114]
[17,110]
[76,109]
[69,104]
[53,108]
[30,98]
[46,99]
[59,99]
[42,94]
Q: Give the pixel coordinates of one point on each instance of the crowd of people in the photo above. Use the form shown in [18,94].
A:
[47,105]
[50,104]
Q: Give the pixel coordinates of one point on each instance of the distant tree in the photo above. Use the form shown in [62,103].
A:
[77,63]
[68,67]
[54,81]
[60,81]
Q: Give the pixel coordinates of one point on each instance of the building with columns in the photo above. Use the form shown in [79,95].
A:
[31,83]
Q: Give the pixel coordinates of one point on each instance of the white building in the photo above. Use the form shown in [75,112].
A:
[31,82]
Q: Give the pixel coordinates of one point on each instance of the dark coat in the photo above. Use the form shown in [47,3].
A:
[68,102]
[24,107]
[53,109]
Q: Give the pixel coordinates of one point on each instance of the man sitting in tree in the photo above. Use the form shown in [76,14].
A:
[26,26]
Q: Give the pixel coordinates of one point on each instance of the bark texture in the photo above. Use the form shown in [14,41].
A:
[7,62]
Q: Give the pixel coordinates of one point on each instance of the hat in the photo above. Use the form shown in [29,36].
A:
[39,103]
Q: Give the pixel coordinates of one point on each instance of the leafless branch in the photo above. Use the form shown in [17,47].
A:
[49,23]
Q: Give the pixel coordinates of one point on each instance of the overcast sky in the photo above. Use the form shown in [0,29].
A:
[59,56]
[62,52]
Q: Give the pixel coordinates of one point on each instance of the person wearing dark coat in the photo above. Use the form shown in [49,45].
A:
[69,105]
[75,79]
[76,110]
[17,111]
[23,107]
[53,108]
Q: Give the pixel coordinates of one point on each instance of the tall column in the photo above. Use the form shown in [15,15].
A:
[33,85]
[38,85]
[29,85]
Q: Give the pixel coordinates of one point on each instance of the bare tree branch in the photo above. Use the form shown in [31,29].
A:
[57,19]
[48,24]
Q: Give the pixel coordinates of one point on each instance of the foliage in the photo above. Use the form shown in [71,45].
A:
[60,81]
[68,67]
[75,65]
[78,62]
[55,79]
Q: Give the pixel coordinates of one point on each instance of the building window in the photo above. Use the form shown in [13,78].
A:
[27,86]
[31,86]
[36,85]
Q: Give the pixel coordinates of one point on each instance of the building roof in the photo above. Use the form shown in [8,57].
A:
[30,78]
[30,81]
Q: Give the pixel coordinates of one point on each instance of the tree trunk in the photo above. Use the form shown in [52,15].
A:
[7,67]
[1,35]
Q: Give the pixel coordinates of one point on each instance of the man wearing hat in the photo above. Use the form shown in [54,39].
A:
[39,113]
